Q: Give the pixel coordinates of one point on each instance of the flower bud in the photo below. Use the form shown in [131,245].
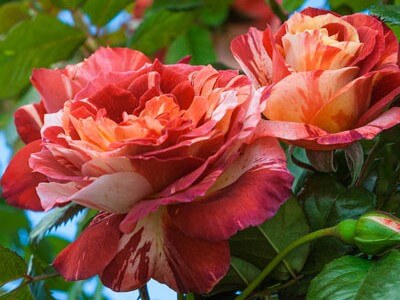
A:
[372,233]
[376,232]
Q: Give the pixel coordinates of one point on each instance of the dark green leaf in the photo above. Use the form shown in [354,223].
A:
[12,266]
[351,204]
[21,293]
[177,5]
[259,245]
[159,28]
[318,197]
[357,278]
[101,12]
[68,4]
[214,13]
[197,42]
[53,219]
[39,289]
[291,5]
[11,14]
[326,202]
[388,13]
[355,5]
[240,274]
[13,221]
[30,44]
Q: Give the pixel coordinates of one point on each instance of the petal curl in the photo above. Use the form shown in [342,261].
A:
[249,192]
[92,251]
[28,121]
[19,181]
[156,248]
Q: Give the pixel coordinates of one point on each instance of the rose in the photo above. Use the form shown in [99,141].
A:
[168,155]
[328,78]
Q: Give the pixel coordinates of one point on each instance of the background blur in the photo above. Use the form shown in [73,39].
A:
[53,33]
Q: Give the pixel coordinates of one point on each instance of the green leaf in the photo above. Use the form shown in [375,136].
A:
[31,44]
[68,4]
[53,219]
[214,13]
[259,245]
[12,266]
[355,5]
[326,202]
[39,289]
[11,14]
[177,5]
[13,221]
[240,274]
[159,28]
[291,5]
[388,13]
[20,293]
[101,12]
[197,42]
[318,197]
[357,278]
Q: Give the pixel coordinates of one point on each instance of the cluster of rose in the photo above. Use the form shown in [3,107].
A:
[178,158]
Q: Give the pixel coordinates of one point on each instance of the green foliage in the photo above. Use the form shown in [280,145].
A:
[354,5]
[159,28]
[240,274]
[388,13]
[101,12]
[214,13]
[291,5]
[357,278]
[13,221]
[259,245]
[34,43]
[12,266]
[68,4]
[326,202]
[55,218]
[197,43]
[11,14]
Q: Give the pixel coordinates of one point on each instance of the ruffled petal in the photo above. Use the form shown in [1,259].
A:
[249,51]
[19,181]
[300,95]
[92,251]
[28,120]
[249,192]
[55,87]
[157,249]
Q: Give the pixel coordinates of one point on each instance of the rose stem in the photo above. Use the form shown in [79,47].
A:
[331,231]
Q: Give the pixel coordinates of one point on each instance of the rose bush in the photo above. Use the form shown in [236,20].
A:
[166,153]
[328,78]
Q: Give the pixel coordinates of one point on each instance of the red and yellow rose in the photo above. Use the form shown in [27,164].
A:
[166,153]
[329,78]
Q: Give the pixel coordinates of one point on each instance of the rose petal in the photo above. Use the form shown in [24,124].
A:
[115,193]
[19,181]
[249,51]
[249,192]
[54,87]
[92,251]
[344,109]
[156,248]
[299,96]
[28,121]
[110,60]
